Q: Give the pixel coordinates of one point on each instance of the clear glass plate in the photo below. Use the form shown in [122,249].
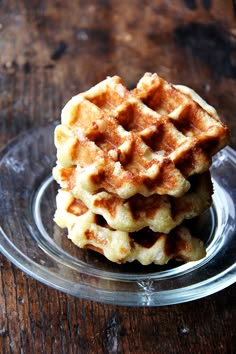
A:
[32,241]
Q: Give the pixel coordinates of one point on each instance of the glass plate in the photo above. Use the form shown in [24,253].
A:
[32,241]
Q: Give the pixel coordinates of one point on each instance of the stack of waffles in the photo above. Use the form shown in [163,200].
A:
[132,166]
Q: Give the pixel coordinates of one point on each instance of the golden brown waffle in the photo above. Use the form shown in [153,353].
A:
[145,141]
[161,213]
[133,165]
[89,230]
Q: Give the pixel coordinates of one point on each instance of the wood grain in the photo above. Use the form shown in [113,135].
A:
[51,50]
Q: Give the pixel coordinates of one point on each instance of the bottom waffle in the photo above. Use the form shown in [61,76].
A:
[89,230]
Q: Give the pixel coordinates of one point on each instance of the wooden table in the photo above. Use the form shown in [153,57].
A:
[51,50]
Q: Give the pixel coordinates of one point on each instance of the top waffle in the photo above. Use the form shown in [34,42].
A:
[161,134]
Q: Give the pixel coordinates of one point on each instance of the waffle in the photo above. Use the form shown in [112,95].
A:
[89,230]
[133,165]
[145,141]
[161,213]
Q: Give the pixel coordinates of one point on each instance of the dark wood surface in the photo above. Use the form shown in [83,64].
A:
[51,50]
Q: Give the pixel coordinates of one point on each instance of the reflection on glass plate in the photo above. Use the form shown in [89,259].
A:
[32,241]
